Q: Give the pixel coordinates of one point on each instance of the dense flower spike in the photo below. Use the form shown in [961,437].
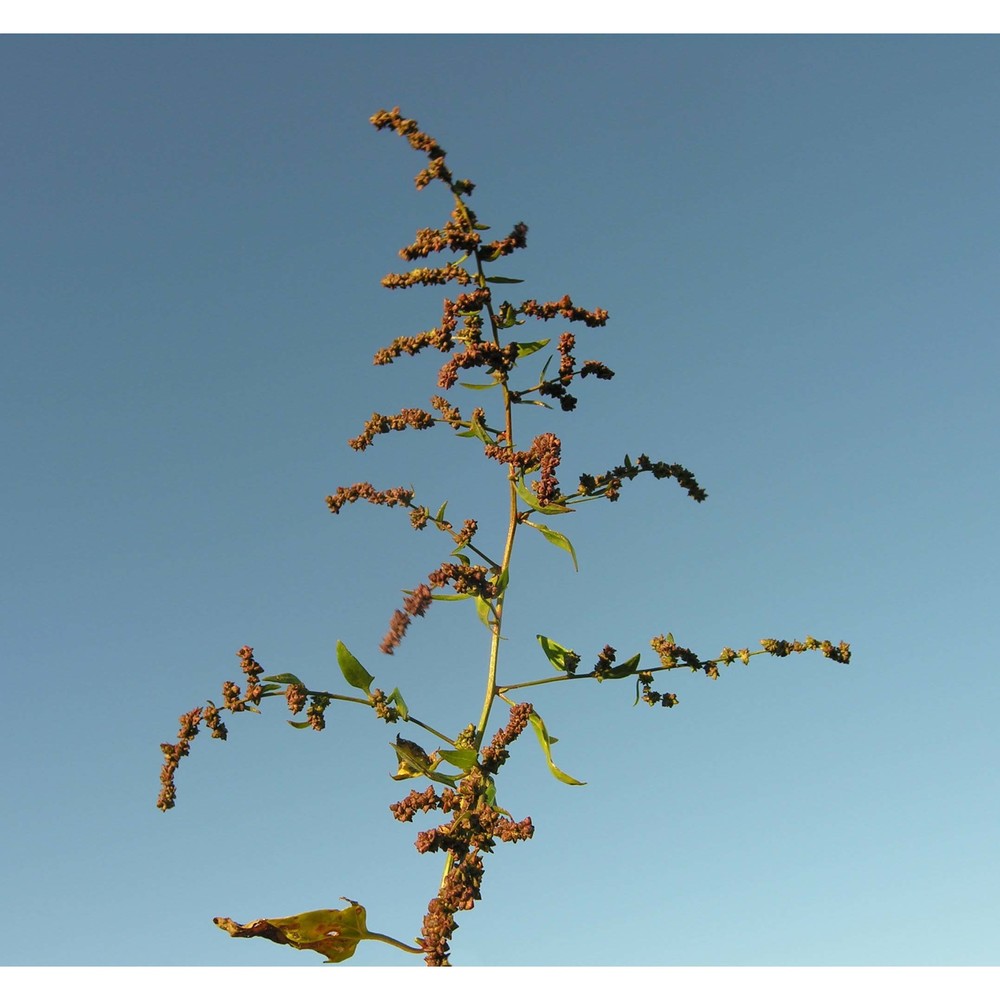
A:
[608,484]
[565,308]
[473,831]
[379,423]
[365,491]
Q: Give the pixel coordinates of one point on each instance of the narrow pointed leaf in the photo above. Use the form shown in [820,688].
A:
[524,348]
[626,668]
[283,679]
[299,725]
[497,280]
[476,385]
[546,741]
[397,699]
[483,610]
[353,672]
[557,539]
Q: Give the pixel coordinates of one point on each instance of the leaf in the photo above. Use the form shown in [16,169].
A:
[497,280]
[626,668]
[559,656]
[532,402]
[298,725]
[525,348]
[532,501]
[557,539]
[500,585]
[269,690]
[464,760]
[476,385]
[413,762]
[483,610]
[397,699]
[450,597]
[333,933]
[546,741]
[284,679]
[353,672]
[440,514]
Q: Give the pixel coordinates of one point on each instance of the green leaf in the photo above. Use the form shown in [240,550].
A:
[283,679]
[413,762]
[299,725]
[450,597]
[560,657]
[557,539]
[532,501]
[626,668]
[397,699]
[546,741]
[501,583]
[333,933]
[462,759]
[483,609]
[531,402]
[353,672]
[497,280]
[270,689]
[476,385]
[529,347]
[440,514]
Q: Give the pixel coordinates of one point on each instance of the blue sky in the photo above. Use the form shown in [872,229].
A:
[796,240]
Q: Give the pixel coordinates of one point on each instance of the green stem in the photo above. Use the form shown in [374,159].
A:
[372,936]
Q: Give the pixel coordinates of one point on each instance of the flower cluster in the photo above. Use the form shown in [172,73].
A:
[651,697]
[455,235]
[466,307]
[608,484]
[209,714]
[429,276]
[380,423]
[365,491]
[425,143]
[543,455]
[565,308]
[475,827]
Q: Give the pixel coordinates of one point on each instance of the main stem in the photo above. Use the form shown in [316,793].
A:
[491,677]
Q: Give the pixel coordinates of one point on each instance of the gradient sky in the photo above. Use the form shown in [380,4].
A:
[796,238]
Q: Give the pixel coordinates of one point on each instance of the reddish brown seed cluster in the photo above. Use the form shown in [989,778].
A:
[365,491]
[516,240]
[544,455]
[380,423]
[425,143]
[564,307]
[473,830]
[455,235]
[429,276]
[295,695]
[608,484]
[605,661]
[478,355]
[465,307]
[189,722]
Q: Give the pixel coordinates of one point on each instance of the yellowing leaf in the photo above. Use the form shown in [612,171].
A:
[333,933]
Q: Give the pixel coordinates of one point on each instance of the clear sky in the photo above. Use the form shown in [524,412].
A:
[796,239]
